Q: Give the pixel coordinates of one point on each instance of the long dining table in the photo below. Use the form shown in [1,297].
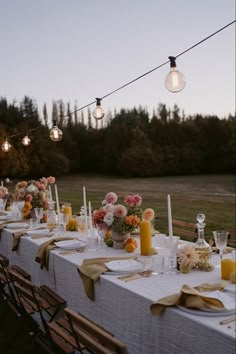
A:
[124,307]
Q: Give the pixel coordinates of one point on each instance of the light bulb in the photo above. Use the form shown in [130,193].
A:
[26,140]
[98,113]
[6,146]
[175,80]
[55,133]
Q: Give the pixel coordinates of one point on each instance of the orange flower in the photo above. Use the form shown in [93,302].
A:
[132,220]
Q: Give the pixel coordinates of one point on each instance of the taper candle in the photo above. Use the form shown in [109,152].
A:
[85,210]
[50,193]
[90,217]
[57,201]
[1,183]
[170,229]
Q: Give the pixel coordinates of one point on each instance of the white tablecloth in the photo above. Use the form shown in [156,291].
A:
[124,308]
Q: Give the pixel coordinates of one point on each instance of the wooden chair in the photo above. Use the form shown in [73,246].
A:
[33,300]
[85,335]
[185,230]
[232,238]
[6,287]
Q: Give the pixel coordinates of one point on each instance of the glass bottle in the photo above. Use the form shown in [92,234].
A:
[201,246]
[52,219]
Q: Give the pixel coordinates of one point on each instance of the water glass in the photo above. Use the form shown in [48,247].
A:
[3,203]
[221,238]
[92,240]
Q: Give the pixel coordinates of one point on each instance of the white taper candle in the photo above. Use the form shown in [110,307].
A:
[85,211]
[50,193]
[57,201]
[169,216]
[90,217]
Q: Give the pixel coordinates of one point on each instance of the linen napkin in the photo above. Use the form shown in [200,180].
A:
[42,256]
[191,297]
[16,239]
[90,272]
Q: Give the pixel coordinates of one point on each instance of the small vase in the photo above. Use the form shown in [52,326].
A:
[184,268]
[119,240]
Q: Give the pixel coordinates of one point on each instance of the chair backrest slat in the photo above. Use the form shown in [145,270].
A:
[94,337]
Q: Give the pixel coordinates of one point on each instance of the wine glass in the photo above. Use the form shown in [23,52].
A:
[220,238]
[39,214]
[63,220]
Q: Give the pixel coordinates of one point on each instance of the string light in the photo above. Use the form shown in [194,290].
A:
[98,113]
[6,146]
[174,81]
[26,140]
[55,132]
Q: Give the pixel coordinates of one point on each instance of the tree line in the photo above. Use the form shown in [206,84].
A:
[129,143]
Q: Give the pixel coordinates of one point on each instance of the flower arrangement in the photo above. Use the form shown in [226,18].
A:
[121,218]
[3,192]
[187,258]
[33,193]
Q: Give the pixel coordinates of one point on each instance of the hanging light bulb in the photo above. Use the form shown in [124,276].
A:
[98,113]
[55,132]
[6,146]
[26,140]
[175,80]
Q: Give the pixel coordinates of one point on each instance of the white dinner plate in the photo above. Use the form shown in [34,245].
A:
[70,244]
[208,312]
[125,266]
[17,225]
[42,232]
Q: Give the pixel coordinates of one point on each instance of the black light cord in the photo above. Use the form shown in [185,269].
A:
[141,76]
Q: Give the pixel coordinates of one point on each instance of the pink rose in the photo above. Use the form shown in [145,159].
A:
[51,180]
[111,198]
[28,198]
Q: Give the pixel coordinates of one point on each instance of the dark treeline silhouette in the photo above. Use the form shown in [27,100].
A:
[129,143]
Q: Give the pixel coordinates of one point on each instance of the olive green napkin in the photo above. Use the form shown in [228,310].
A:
[90,272]
[16,239]
[42,256]
[190,297]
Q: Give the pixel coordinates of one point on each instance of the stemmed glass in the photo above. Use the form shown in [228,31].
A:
[221,238]
[39,214]
[63,220]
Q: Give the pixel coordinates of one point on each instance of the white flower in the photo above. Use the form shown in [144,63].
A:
[31,188]
[109,218]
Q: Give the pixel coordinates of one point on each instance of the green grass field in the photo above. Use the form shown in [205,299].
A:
[213,195]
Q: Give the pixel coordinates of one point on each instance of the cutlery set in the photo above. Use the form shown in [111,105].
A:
[136,275]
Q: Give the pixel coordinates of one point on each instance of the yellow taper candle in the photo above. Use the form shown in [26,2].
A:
[145,237]
[227,267]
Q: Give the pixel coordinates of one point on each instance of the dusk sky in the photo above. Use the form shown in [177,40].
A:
[76,50]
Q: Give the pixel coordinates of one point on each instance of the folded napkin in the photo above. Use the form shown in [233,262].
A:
[191,297]
[42,256]
[90,272]
[16,239]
